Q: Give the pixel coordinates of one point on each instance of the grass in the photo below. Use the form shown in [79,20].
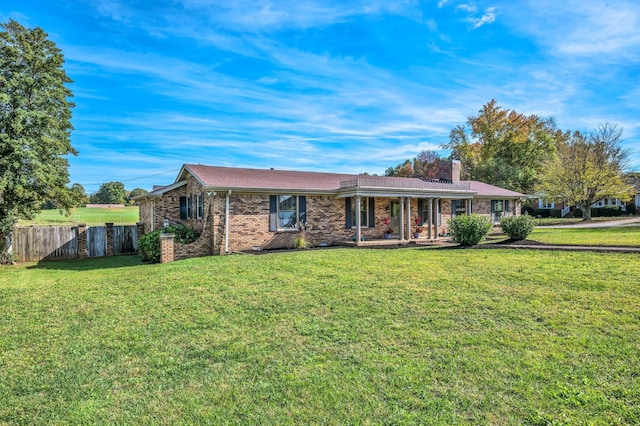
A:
[338,336]
[613,236]
[97,216]
[550,221]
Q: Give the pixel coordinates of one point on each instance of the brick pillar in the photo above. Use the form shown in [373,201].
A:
[82,241]
[109,239]
[166,247]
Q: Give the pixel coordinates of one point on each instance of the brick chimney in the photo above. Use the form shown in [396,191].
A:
[449,171]
[456,166]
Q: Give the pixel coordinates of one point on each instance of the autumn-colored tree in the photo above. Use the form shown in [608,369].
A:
[503,147]
[587,168]
[425,165]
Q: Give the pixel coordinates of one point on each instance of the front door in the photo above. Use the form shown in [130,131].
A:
[395,216]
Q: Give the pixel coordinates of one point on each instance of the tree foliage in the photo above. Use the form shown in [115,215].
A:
[503,147]
[110,193]
[35,126]
[134,193]
[587,168]
[425,165]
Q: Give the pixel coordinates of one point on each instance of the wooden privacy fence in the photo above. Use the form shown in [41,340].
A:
[33,244]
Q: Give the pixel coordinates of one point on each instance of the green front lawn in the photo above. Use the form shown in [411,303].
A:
[336,336]
[97,216]
[613,236]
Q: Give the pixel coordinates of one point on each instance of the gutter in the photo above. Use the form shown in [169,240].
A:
[226,223]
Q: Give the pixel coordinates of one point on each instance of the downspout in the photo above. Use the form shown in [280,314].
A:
[226,223]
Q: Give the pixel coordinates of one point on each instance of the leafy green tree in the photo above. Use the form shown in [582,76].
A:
[503,147]
[134,193]
[35,126]
[588,168]
[110,193]
[79,195]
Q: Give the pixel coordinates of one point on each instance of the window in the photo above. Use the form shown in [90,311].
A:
[498,209]
[286,212]
[458,207]
[200,205]
[192,207]
[367,215]
[364,211]
[185,207]
[545,204]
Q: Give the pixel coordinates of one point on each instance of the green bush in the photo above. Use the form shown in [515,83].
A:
[517,227]
[469,230]
[542,213]
[149,244]
[610,211]
[527,210]
[631,208]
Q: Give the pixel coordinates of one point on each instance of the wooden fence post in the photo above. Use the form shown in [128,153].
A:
[109,239]
[82,241]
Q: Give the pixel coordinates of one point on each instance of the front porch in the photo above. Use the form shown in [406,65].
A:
[397,242]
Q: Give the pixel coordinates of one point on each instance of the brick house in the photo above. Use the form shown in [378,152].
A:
[239,209]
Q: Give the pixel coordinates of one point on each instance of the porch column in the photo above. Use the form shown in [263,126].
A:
[429,217]
[434,214]
[402,225]
[408,224]
[468,209]
[358,219]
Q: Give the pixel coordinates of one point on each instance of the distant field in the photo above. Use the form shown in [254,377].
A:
[120,216]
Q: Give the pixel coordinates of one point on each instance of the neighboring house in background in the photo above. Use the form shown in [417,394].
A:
[239,209]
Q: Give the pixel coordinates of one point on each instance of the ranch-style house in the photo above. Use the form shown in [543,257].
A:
[239,209]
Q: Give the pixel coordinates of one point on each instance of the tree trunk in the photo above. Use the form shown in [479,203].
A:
[5,248]
[586,211]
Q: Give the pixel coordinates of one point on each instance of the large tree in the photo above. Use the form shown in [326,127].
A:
[425,165]
[110,193]
[587,168]
[503,147]
[35,126]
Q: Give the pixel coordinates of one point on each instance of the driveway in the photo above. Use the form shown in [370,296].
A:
[624,222]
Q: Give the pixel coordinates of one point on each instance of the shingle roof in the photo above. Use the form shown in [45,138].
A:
[242,178]
[231,177]
[484,189]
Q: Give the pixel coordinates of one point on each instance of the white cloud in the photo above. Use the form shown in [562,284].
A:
[488,17]
[442,3]
[467,7]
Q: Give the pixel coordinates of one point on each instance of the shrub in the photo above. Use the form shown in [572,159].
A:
[299,243]
[149,244]
[517,227]
[610,211]
[469,230]
[631,208]
[527,210]
[542,213]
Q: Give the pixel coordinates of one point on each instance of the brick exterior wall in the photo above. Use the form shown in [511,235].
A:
[249,220]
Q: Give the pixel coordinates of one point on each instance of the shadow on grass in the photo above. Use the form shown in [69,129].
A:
[90,264]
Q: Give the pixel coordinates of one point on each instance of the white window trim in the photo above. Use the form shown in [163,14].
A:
[294,228]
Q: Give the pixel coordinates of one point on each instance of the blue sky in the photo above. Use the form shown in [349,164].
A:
[323,85]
